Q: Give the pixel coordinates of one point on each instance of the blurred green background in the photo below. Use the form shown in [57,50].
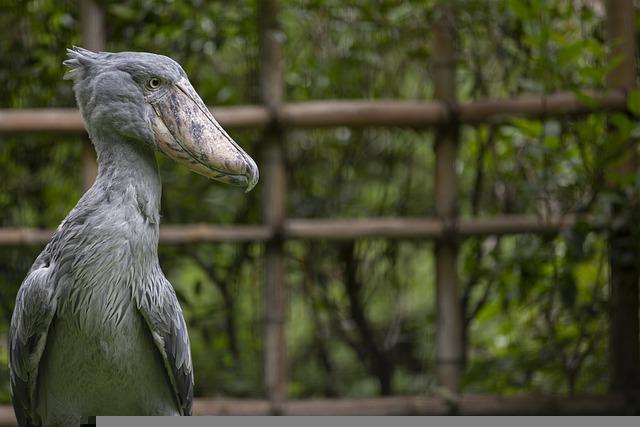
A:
[535,307]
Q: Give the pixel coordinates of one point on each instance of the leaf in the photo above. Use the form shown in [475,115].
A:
[586,99]
[633,102]
[520,9]
[622,123]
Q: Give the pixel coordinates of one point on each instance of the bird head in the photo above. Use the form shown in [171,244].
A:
[148,98]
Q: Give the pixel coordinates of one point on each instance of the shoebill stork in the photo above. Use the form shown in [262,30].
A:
[97,328]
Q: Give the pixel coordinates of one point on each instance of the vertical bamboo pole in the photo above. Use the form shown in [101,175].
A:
[449,323]
[93,38]
[273,205]
[623,250]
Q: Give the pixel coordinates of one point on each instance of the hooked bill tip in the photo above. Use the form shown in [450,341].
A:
[252,181]
[252,173]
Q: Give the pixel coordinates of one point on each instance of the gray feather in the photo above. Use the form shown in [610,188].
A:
[97,328]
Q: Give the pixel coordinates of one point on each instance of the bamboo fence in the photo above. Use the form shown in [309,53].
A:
[445,116]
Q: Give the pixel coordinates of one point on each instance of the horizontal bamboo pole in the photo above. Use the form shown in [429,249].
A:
[362,113]
[421,228]
[331,229]
[348,113]
[337,229]
[68,120]
[213,233]
[170,234]
[423,405]
[61,120]
[552,105]
[611,404]
[515,224]
[7,416]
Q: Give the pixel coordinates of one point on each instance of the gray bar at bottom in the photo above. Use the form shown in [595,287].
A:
[357,421]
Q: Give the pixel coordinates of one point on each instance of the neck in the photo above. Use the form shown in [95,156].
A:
[128,172]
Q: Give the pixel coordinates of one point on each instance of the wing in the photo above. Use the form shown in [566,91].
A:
[161,311]
[32,315]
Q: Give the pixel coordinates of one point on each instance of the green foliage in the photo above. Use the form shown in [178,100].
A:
[534,306]
[633,103]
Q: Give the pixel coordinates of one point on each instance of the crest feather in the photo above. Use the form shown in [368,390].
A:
[79,59]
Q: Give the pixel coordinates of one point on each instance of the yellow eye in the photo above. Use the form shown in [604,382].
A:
[154,83]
